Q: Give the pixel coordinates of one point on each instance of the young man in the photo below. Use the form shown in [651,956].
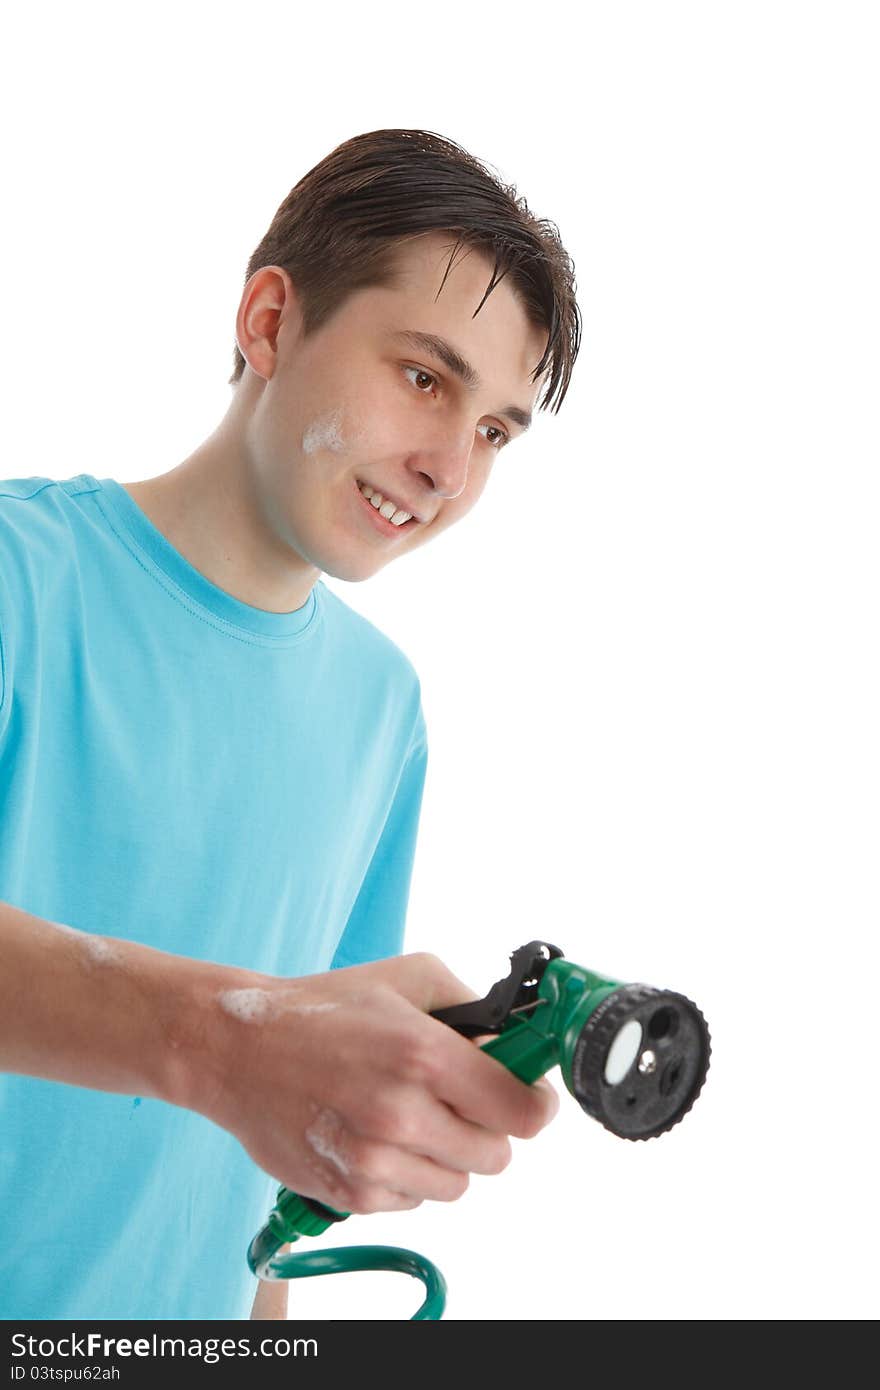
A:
[211,768]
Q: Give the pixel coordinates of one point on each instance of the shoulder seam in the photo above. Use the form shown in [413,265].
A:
[19,497]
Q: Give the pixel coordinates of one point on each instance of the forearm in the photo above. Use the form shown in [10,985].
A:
[270,1300]
[107,1014]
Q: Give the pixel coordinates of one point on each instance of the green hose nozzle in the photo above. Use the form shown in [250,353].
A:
[634,1057]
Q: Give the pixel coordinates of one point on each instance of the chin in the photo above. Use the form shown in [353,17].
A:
[353,571]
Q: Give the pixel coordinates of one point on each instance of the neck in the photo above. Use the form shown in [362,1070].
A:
[209,509]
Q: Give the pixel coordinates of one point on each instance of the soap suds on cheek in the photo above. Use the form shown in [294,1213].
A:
[324,433]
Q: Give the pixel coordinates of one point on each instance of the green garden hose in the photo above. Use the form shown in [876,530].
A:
[266,1263]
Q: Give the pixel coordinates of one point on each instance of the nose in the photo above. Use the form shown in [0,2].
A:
[445,467]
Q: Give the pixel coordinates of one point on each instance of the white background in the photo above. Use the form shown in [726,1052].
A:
[649,657]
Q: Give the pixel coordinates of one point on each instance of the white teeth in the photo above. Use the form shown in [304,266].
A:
[387,509]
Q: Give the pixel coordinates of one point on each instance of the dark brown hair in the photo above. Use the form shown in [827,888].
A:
[337,231]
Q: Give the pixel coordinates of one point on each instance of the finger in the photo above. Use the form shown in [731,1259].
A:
[415,1123]
[542,1084]
[412,1176]
[387,1199]
[550,1091]
[483,1090]
[369,1198]
[382,1177]
[428,984]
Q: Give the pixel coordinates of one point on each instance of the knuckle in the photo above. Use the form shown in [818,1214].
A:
[368,1164]
[401,1201]
[392,1120]
[425,960]
[419,1062]
[407,1128]
[366,1161]
[363,1200]
[419,965]
[339,1192]
[427,967]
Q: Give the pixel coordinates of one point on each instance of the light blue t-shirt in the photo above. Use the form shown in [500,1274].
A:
[183,770]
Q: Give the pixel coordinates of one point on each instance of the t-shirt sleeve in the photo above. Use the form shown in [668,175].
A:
[375,927]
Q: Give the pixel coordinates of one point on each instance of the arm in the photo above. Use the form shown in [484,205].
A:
[270,1300]
[338,1085]
[103,1013]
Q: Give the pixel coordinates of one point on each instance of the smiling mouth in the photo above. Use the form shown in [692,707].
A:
[384,523]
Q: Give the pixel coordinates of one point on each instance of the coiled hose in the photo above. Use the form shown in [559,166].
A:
[266,1263]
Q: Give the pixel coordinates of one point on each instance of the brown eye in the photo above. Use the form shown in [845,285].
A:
[420,373]
[502,437]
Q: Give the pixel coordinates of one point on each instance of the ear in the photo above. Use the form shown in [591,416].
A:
[269,318]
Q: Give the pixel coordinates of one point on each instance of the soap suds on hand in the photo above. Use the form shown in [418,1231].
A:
[323,1137]
[250,1005]
[96,948]
[260,1005]
[99,950]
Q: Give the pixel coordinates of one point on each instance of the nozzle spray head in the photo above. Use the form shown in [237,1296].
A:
[634,1057]
[638,1061]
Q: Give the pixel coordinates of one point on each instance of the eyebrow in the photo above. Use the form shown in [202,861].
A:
[452,358]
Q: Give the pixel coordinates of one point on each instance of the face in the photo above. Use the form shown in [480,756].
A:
[359,405]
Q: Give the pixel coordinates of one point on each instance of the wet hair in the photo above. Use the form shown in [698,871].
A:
[339,229]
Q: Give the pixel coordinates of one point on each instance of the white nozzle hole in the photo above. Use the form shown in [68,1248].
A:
[623,1051]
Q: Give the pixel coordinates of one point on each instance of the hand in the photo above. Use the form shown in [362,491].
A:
[341,1086]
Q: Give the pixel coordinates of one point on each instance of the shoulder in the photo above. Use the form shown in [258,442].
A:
[38,509]
[367,643]
[29,549]
[36,531]
[24,503]
[381,682]
[28,525]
